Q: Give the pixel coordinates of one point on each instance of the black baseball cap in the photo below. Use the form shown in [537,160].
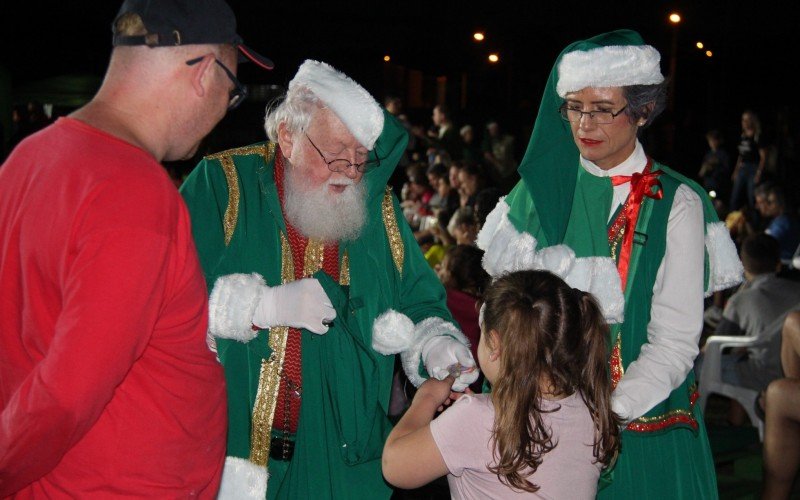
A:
[186,22]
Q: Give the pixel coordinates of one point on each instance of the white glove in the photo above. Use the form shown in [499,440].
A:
[299,304]
[443,356]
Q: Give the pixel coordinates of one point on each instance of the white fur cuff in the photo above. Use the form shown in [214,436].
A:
[611,66]
[392,332]
[506,249]
[232,304]
[424,331]
[242,480]
[724,265]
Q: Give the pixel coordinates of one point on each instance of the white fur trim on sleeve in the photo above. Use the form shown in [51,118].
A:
[508,250]
[610,66]
[357,109]
[424,331]
[242,480]
[505,249]
[231,306]
[599,276]
[725,267]
[392,332]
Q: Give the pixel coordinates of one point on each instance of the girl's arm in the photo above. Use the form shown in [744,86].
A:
[410,456]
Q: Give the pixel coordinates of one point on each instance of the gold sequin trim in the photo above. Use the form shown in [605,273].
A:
[669,414]
[344,271]
[314,257]
[231,177]
[232,210]
[617,242]
[393,230]
[617,369]
[267,150]
[270,377]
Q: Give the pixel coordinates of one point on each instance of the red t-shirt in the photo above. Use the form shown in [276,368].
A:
[106,384]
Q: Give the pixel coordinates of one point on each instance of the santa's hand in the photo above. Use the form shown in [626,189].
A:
[444,356]
[299,304]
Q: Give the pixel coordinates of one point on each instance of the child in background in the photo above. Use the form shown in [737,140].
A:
[546,429]
[465,280]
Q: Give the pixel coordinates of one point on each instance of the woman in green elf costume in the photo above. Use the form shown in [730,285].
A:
[594,208]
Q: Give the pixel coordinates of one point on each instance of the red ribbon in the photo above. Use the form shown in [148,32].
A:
[642,185]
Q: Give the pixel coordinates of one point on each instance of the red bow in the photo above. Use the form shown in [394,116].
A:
[642,185]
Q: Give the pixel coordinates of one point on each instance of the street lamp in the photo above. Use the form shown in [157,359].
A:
[493,57]
[675,19]
[478,36]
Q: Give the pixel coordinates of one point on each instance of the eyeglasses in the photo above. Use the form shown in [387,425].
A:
[237,94]
[574,115]
[340,164]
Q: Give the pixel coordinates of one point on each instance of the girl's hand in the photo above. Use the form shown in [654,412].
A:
[437,392]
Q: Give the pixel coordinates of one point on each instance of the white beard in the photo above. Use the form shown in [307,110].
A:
[319,214]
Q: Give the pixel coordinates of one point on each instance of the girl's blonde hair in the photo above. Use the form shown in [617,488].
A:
[553,339]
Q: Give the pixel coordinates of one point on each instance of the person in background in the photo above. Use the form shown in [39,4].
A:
[108,387]
[782,418]
[783,223]
[546,429]
[445,196]
[442,137]
[498,152]
[472,152]
[463,226]
[715,170]
[757,310]
[597,210]
[316,283]
[470,181]
[750,163]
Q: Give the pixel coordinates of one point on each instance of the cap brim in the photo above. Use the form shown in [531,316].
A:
[248,54]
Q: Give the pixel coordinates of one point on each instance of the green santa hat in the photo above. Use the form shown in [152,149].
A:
[534,227]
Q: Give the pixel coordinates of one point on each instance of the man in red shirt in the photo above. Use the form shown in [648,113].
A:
[107,387]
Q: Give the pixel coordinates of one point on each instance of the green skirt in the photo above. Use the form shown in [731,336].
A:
[674,465]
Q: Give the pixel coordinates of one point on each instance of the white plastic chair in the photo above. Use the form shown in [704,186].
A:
[711,377]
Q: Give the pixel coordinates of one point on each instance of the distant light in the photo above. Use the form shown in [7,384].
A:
[700,45]
[709,53]
[712,193]
[674,18]
[478,36]
[493,58]
[387,58]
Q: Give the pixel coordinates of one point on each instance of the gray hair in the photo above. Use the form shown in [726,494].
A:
[295,109]
[645,101]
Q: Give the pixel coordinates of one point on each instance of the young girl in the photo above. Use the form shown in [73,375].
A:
[546,429]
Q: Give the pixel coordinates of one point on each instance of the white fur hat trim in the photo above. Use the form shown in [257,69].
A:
[357,109]
[611,66]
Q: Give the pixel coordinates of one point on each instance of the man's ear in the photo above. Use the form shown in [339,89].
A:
[201,76]
[285,140]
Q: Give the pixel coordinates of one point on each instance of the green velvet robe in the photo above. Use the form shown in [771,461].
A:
[346,383]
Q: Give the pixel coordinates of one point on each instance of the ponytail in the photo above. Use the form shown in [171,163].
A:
[595,380]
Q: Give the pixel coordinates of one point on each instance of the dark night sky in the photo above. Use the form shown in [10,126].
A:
[749,67]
